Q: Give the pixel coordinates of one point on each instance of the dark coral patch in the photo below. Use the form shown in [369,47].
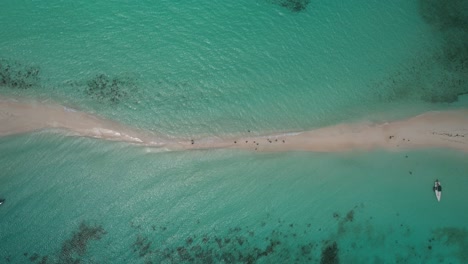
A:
[350,216]
[444,14]
[293,5]
[44,260]
[440,75]
[15,75]
[34,257]
[183,253]
[307,249]
[78,243]
[330,254]
[450,20]
[142,246]
[233,246]
[110,89]
[454,237]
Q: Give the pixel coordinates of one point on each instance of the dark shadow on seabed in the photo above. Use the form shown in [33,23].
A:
[271,241]
[440,75]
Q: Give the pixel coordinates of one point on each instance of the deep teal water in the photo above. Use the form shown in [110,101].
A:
[198,68]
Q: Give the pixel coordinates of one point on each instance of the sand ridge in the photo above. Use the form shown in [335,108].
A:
[442,129]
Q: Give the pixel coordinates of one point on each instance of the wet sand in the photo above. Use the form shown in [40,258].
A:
[445,129]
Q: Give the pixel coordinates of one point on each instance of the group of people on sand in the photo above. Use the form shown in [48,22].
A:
[254,142]
[257,143]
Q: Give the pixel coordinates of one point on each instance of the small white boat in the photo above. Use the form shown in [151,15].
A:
[437,189]
[1,201]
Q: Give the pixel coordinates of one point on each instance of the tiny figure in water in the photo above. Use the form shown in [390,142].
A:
[438,187]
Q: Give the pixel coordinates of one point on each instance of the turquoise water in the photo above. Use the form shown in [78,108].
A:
[225,205]
[208,68]
[196,69]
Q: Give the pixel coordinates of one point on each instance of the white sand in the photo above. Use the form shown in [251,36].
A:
[448,129]
[20,117]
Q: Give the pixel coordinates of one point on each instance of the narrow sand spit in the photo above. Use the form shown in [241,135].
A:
[447,129]
[20,117]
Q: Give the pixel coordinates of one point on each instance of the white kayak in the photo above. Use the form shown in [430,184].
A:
[437,190]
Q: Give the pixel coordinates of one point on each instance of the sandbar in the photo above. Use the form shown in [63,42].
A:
[437,129]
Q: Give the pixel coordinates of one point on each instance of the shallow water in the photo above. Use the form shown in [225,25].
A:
[215,68]
[203,68]
[202,206]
